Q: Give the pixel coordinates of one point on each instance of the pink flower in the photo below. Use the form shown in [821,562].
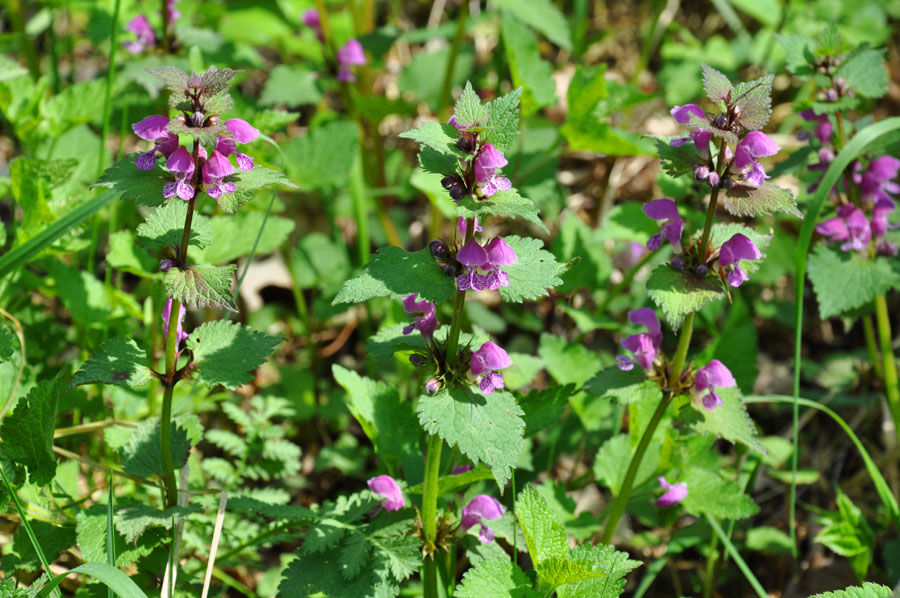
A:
[215,169]
[645,346]
[480,509]
[876,181]
[350,54]
[241,130]
[823,128]
[850,226]
[140,26]
[461,469]
[700,137]
[226,147]
[735,249]
[427,322]
[485,363]
[499,254]
[473,256]
[674,493]
[387,487]
[755,144]
[708,377]
[166,315]
[673,225]
[461,227]
[154,128]
[310,18]
[182,164]
[489,160]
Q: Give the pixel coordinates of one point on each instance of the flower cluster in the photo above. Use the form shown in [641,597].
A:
[350,54]
[212,163]
[487,259]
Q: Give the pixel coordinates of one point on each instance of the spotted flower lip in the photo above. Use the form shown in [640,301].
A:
[425,323]
[485,363]
[713,374]
[473,256]
[182,164]
[480,509]
[645,346]
[674,493]
[673,225]
[387,487]
[738,247]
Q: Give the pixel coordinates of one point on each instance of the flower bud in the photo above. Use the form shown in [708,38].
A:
[416,359]
[677,263]
[167,264]
[449,181]
[701,173]
[457,191]
[452,269]
[831,95]
[713,179]
[727,182]
[432,386]
[826,155]
[720,121]
[439,249]
[464,144]
[197,119]
[701,270]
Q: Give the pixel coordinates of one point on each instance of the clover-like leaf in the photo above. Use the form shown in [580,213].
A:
[202,285]
[227,353]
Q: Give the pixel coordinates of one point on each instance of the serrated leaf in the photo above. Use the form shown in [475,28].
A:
[677,160]
[323,158]
[622,386]
[172,77]
[544,534]
[711,494]
[544,407]
[202,285]
[867,590]
[227,353]
[119,361]
[469,111]
[844,281]
[680,293]
[716,85]
[291,86]
[393,272]
[27,432]
[142,186]
[844,104]
[604,558]
[487,429]
[434,161]
[134,520]
[164,227]
[534,273]
[729,420]
[7,343]
[526,67]
[864,72]
[247,182]
[21,554]
[556,571]
[754,99]
[498,578]
[508,203]
[543,16]
[440,137]
[758,201]
[142,455]
[91,533]
[235,236]
[502,129]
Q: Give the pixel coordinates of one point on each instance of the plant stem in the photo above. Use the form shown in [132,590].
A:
[887,354]
[107,99]
[451,56]
[869,330]
[459,303]
[429,513]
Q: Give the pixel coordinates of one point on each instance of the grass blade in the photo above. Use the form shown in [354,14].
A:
[114,579]
[736,556]
[110,537]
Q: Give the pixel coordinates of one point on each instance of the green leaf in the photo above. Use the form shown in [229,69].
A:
[487,429]
[52,540]
[768,539]
[469,111]
[534,273]
[709,493]
[129,182]
[440,137]
[767,12]
[390,339]
[27,432]
[622,386]
[558,571]
[758,201]
[165,227]
[119,361]
[202,285]
[867,590]
[91,531]
[247,183]
[508,203]
[133,521]
[434,161]
[715,84]
[845,280]
[324,156]
[677,160]
[235,235]
[729,420]
[393,272]
[754,99]
[7,343]
[723,232]
[502,128]
[422,78]
[124,254]
[142,456]
[291,86]
[864,72]
[544,407]
[498,578]
[680,293]
[114,579]
[544,534]
[604,558]
[543,16]
[388,422]
[227,353]
[616,451]
[527,69]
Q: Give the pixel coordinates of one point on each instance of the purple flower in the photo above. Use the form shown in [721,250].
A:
[489,160]
[755,144]
[173,12]
[179,330]
[350,54]
[153,128]
[850,226]
[140,26]
[700,137]
[427,322]
[182,164]
[216,168]
[876,181]
[241,130]
[310,18]
[498,254]
[461,469]
[644,346]
[485,363]
[387,487]
[735,249]
[473,256]
[432,386]
[630,256]
[226,147]
[461,227]
[665,209]
[480,509]
[674,493]
[708,377]
[823,128]
[880,211]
